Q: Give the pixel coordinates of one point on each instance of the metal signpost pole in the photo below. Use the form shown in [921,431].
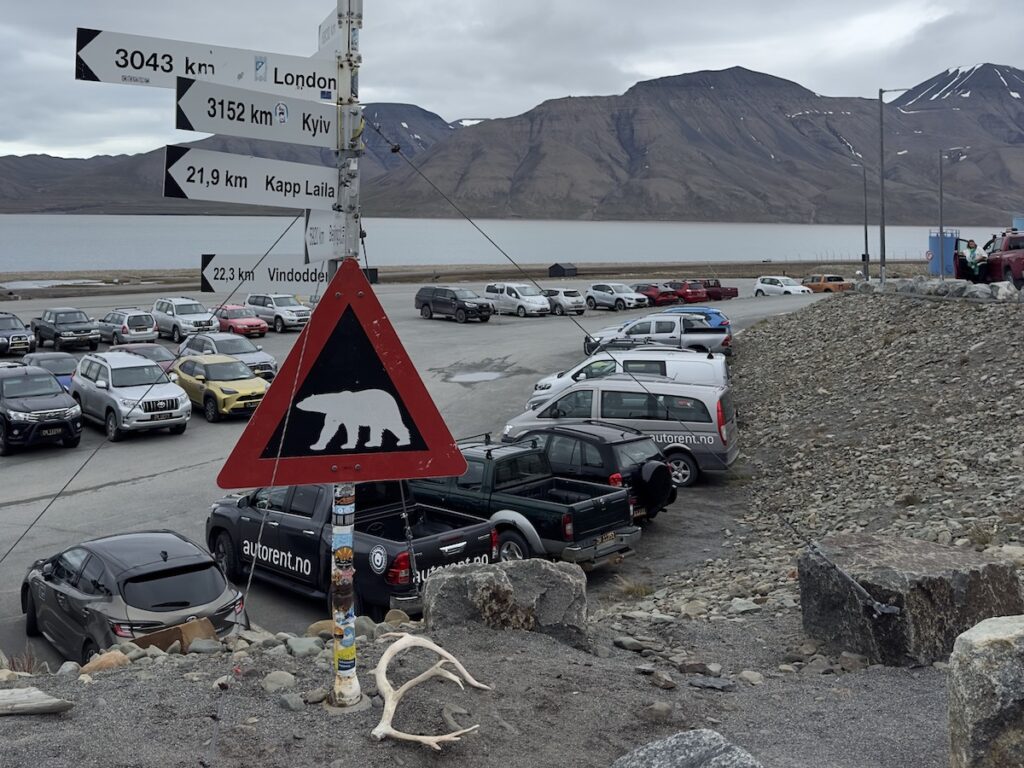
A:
[881,187]
[864,168]
[345,691]
[942,237]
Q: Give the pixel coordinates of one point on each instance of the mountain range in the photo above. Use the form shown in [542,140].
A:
[729,145]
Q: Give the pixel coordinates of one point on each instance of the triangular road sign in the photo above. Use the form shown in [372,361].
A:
[352,409]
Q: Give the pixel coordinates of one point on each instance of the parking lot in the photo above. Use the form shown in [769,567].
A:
[478,374]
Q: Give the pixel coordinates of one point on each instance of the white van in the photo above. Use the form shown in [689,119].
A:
[682,365]
[517,298]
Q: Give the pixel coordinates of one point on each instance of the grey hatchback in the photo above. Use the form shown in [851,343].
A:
[119,587]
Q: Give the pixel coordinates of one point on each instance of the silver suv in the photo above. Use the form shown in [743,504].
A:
[178,317]
[127,324]
[278,310]
[617,296]
[239,347]
[128,393]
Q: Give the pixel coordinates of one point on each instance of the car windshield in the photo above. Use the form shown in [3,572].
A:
[235,346]
[462,293]
[636,452]
[788,281]
[235,314]
[620,288]
[528,290]
[11,324]
[695,285]
[34,385]
[233,371]
[191,309]
[61,366]
[72,317]
[153,352]
[138,376]
[176,589]
[286,301]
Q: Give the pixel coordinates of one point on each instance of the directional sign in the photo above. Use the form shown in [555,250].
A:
[324,232]
[256,273]
[215,108]
[347,405]
[200,174]
[113,57]
[328,37]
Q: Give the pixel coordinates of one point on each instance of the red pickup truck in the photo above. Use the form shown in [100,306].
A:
[716,291]
[1005,259]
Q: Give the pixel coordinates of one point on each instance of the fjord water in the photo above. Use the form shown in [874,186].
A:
[60,243]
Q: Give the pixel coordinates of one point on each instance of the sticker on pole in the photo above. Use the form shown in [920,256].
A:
[360,411]
[928,255]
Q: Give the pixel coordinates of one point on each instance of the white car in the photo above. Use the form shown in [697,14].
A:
[615,296]
[517,298]
[774,285]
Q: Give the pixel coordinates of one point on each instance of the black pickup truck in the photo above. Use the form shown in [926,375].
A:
[65,327]
[535,513]
[294,550]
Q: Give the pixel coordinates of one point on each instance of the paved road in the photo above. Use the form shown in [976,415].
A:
[161,481]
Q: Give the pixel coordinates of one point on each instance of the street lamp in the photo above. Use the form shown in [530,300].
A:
[942,234]
[864,257]
[881,177]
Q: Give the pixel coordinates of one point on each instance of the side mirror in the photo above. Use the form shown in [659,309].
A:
[28,327]
[47,571]
[198,377]
[92,319]
[102,385]
[173,377]
[580,376]
[259,347]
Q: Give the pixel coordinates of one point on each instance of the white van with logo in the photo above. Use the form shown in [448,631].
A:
[682,365]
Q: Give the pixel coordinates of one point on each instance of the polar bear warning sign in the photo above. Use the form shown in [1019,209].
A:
[350,407]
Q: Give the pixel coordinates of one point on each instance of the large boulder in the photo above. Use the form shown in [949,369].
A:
[986,695]
[977,291]
[1004,291]
[940,592]
[535,595]
[690,749]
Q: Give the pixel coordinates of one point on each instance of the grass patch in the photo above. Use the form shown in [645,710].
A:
[633,588]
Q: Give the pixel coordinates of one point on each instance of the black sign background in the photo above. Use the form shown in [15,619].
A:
[348,362]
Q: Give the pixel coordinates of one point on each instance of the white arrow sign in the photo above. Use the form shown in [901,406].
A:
[251,273]
[324,232]
[328,36]
[214,108]
[200,174]
[113,57]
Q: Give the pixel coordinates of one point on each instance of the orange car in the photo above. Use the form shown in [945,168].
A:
[827,283]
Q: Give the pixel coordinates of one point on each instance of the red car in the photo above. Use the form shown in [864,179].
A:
[235,318]
[156,352]
[689,291]
[717,291]
[657,295]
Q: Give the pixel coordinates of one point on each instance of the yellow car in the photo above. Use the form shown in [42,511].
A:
[221,384]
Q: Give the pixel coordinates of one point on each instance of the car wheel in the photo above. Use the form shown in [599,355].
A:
[93,346]
[684,469]
[261,335]
[210,410]
[786,293]
[579,311]
[512,546]
[176,335]
[425,312]
[559,310]
[71,442]
[485,318]
[225,556]
[39,340]
[1008,276]
[591,302]
[177,429]
[759,292]
[460,315]
[31,619]
[114,434]
[57,346]
[232,329]
[827,290]
[89,649]
[5,447]
[278,325]
[521,311]
[619,305]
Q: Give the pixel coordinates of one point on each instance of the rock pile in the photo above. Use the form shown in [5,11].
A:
[953,289]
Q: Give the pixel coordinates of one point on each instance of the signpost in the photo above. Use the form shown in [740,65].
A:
[327,36]
[215,108]
[325,232]
[276,273]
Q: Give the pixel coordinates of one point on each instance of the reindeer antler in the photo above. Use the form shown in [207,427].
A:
[392,697]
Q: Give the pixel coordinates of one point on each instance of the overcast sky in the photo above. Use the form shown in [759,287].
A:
[484,58]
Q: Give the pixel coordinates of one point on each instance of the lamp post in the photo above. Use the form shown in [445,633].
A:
[942,234]
[881,177]
[864,257]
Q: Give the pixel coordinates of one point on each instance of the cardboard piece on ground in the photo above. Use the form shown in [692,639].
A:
[186,633]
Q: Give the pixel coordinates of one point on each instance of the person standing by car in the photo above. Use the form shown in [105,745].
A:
[977,261]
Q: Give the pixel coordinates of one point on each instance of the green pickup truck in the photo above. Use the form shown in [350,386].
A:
[536,514]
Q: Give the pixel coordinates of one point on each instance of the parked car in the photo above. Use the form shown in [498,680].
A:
[618,456]
[774,285]
[261,363]
[675,329]
[234,318]
[615,296]
[1004,259]
[221,385]
[827,283]
[295,549]
[716,291]
[460,303]
[155,352]
[116,588]
[693,425]
[180,316]
[15,337]
[565,300]
[517,298]
[34,408]
[682,365]
[534,512]
[61,364]
[688,291]
[127,324]
[279,310]
[715,317]
[657,295]
[128,393]
[65,327]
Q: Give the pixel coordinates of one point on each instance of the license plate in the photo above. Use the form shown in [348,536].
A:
[161,416]
[604,538]
[639,512]
[51,431]
[252,404]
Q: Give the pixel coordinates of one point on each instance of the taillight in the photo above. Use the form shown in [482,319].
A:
[494,545]
[721,423]
[400,572]
[124,329]
[122,630]
[567,531]
[240,605]
[727,341]
[615,480]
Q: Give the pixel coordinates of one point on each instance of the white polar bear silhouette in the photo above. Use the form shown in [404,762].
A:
[373,408]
